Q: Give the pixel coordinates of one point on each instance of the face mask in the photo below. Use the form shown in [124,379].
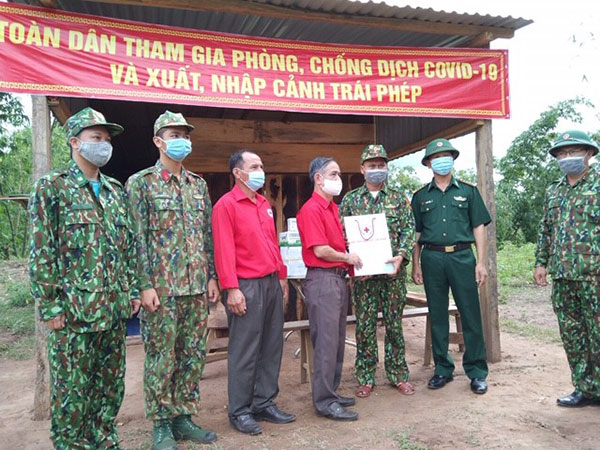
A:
[376,176]
[256,180]
[332,187]
[572,165]
[98,153]
[178,149]
[442,165]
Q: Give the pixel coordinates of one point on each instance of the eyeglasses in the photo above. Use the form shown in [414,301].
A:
[570,152]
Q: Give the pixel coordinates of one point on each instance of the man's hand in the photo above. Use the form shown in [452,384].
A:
[236,301]
[285,290]
[135,306]
[417,273]
[56,323]
[539,276]
[150,301]
[354,260]
[480,274]
[214,294]
[397,262]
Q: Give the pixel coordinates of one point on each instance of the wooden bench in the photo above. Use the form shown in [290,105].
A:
[306,348]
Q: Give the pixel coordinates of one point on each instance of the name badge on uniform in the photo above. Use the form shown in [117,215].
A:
[82,206]
[458,198]
[427,202]
[270,212]
[589,193]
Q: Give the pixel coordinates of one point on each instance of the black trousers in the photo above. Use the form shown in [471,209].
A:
[327,301]
[255,347]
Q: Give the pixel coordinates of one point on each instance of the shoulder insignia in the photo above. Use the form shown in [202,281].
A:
[52,176]
[421,188]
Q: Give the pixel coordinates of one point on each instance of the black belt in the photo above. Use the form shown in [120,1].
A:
[447,248]
[337,270]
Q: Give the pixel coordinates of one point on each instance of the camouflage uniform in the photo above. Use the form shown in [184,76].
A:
[79,266]
[171,222]
[391,292]
[569,248]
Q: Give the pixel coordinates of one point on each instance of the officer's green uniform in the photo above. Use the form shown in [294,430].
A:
[391,292]
[80,253]
[171,221]
[445,219]
[569,248]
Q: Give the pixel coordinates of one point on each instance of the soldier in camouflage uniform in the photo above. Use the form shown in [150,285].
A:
[170,210]
[374,197]
[568,248]
[81,279]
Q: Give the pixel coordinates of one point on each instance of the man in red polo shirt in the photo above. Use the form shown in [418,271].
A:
[326,288]
[254,279]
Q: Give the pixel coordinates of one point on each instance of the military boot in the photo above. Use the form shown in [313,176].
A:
[185,429]
[163,435]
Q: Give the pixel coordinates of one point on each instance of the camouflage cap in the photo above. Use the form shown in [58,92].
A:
[439,146]
[171,119]
[572,138]
[373,151]
[86,118]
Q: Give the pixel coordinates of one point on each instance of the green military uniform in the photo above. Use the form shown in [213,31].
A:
[445,219]
[171,222]
[569,248]
[80,255]
[391,292]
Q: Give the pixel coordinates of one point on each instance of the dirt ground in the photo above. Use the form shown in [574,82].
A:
[518,412]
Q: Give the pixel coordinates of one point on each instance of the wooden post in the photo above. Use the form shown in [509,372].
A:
[42,163]
[489,292]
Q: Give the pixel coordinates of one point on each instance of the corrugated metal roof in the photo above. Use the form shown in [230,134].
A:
[308,30]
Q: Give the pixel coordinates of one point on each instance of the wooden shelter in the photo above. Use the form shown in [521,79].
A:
[288,141]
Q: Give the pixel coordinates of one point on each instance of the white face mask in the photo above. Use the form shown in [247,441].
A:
[332,187]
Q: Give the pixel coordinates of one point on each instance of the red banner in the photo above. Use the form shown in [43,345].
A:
[56,53]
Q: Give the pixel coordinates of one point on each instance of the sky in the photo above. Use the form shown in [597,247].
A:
[555,58]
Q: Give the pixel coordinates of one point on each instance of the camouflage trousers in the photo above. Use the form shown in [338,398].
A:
[86,387]
[577,307]
[366,296]
[174,339]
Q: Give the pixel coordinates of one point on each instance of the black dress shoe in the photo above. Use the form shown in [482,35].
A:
[245,423]
[335,411]
[575,400]
[479,385]
[346,401]
[439,381]
[274,415]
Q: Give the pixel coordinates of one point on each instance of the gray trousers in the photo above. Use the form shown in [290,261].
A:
[255,347]
[327,301]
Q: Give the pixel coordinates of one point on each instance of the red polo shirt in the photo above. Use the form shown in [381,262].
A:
[319,224]
[245,240]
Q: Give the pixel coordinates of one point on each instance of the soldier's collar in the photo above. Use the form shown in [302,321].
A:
[165,175]
[80,178]
[432,184]
[365,189]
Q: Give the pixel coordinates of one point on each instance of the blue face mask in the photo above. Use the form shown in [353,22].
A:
[572,165]
[178,149]
[442,165]
[256,180]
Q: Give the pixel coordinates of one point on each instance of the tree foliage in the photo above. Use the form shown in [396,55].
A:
[404,179]
[527,170]
[16,172]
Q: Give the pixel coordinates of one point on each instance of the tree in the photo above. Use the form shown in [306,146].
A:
[15,172]
[527,170]
[404,179]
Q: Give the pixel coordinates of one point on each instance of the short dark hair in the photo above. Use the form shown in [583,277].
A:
[237,159]
[317,165]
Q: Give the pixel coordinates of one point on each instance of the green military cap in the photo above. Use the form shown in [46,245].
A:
[573,137]
[373,151]
[438,146]
[171,119]
[86,118]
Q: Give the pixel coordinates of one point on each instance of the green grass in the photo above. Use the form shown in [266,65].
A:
[542,334]
[17,322]
[515,265]
[403,440]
